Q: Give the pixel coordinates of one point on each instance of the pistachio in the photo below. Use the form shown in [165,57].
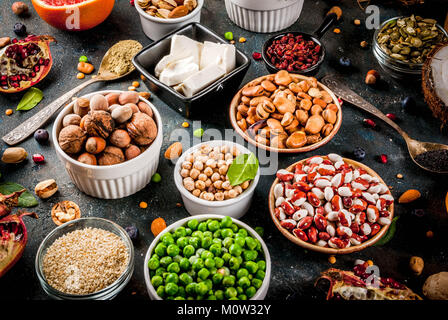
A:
[65,211]
[14,155]
[46,188]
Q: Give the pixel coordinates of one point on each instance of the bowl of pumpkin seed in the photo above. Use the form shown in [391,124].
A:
[402,44]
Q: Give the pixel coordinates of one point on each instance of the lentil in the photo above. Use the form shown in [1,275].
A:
[80,75]
[136,84]
[8,112]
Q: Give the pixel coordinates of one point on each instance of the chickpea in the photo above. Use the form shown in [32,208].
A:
[189,158]
[224,178]
[212,155]
[202,159]
[238,189]
[211,163]
[208,183]
[226,185]
[218,184]
[200,185]
[224,148]
[245,185]
[228,156]
[235,151]
[186,165]
[232,194]
[194,173]
[220,156]
[202,177]
[189,184]
[202,194]
[219,196]
[208,196]
[221,162]
[184,173]
[197,153]
[198,165]
[226,195]
[215,176]
[208,171]
[206,149]
[217,149]
[223,169]
[196,192]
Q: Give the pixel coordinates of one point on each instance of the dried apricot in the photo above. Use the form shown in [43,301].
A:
[157,226]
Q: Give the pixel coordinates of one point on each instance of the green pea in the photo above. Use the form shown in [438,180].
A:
[231,293]
[228,35]
[251,244]
[215,249]
[219,262]
[217,241]
[207,255]
[219,294]
[250,292]
[155,256]
[208,234]
[177,258]
[227,242]
[198,264]
[197,234]
[160,249]
[217,234]
[250,255]
[199,251]
[192,259]
[182,242]
[180,232]
[233,298]
[239,290]
[213,225]
[184,264]
[242,232]
[190,298]
[217,278]
[172,278]
[258,247]
[240,241]
[202,226]
[213,270]
[83,59]
[234,228]
[179,298]
[165,261]
[224,271]
[257,283]
[188,251]
[224,250]
[242,273]
[226,233]
[194,241]
[228,281]
[172,250]
[251,266]
[226,222]
[198,133]
[226,257]
[260,274]
[153,264]
[242,297]
[260,231]
[203,273]
[209,284]
[206,242]
[201,288]
[234,264]
[173,267]
[181,292]
[185,279]
[235,250]
[192,224]
[171,289]
[156,281]
[240,259]
[190,288]
[262,265]
[161,291]
[244,282]
[209,263]
[156,178]
[160,271]
[167,239]
[188,231]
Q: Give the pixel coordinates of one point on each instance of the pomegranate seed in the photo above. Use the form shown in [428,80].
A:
[391,116]
[41,61]
[38,158]
[33,74]
[383,158]
[36,68]
[14,40]
[369,123]
[340,101]
[132,2]
[256,55]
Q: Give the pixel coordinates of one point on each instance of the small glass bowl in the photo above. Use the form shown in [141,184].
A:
[107,293]
[396,68]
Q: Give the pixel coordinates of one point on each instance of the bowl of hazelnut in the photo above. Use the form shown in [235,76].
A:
[109,142]
[201,177]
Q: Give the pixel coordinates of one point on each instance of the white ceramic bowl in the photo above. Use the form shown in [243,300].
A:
[264,15]
[261,292]
[234,208]
[156,28]
[115,181]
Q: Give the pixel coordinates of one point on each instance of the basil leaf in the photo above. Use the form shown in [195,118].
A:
[389,234]
[30,99]
[243,168]
[26,199]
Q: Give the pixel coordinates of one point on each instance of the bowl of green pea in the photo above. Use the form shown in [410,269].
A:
[207,257]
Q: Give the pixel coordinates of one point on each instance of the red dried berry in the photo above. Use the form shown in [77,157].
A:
[132,2]
[369,123]
[256,55]
[391,116]
[38,158]
[383,158]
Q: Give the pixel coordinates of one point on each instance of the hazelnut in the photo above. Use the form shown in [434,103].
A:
[98,102]
[142,129]
[120,138]
[81,106]
[72,118]
[110,156]
[95,145]
[132,151]
[65,211]
[46,189]
[99,124]
[372,77]
[133,107]
[87,158]
[19,8]
[71,139]
[122,114]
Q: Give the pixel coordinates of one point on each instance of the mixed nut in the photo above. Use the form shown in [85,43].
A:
[108,129]
[285,111]
[168,9]
[330,203]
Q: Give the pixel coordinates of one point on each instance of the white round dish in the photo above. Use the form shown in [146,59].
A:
[264,16]
[235,208]
[115,181]
[156,28]
[261,292]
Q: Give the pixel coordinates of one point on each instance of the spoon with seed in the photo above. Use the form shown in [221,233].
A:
[429,156]
[116,63]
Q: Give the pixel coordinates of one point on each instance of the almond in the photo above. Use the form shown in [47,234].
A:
[409,196]
[174,151]
[178,12]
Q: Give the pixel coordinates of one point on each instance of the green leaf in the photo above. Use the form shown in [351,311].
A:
[26,199]
[30,99]
[243,168]
[389,234]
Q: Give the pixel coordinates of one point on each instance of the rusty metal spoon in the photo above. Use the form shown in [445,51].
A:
[28,127]
[415,147]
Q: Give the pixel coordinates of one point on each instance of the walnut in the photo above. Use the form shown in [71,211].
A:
[111,155]
[71,139]
[142,129]
[99,123]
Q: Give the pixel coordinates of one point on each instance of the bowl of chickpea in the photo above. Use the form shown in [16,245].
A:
[200,176]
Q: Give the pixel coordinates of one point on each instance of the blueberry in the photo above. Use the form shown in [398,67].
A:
[345,62]
[359,153]
[408,103]
[20,29]
[41,136]
[132,232]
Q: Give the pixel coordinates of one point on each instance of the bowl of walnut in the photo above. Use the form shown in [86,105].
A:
[109,142]
[286,113]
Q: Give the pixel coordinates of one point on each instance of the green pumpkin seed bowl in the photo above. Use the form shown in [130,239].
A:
[401,45]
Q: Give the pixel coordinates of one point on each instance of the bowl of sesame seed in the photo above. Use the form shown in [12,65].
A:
[85,259]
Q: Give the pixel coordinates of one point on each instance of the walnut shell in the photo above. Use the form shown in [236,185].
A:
[71,139]
[99,123]
[111,155]
[142,129]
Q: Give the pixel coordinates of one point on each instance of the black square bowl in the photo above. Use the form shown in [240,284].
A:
[221,90]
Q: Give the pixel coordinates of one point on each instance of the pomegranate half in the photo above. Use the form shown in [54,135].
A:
[24,63]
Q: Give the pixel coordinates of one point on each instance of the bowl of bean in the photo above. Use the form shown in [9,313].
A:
[286,113]
[211,257]
[85,259]
[335,205]
[201,176]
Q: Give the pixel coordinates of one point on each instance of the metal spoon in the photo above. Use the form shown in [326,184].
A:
[28,127]
[415,147]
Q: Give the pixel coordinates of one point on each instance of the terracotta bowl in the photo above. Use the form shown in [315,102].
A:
[328,250]
[236,101]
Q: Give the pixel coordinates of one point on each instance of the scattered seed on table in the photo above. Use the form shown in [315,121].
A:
[242,40]
[83,59]
[429,234]
[256,55]
[179,205]
[332,259]
[364,44]
[185,124]
[156,178]
[142,77]
[198,133]
[337,30]
[131,88]
[8,112]
[232,41]
[136,84]
[80,75]
[399,176]
[143,205]
[370,262]
[357,22]
[228,35]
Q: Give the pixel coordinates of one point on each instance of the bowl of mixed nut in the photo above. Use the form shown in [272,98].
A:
[109,142]
[331,204]
[160,17]
[286,113]
[217,176]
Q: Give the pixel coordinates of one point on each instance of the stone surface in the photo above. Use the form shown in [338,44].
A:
[293,269]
